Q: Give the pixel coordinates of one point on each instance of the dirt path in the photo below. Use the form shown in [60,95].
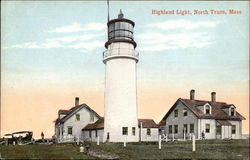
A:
[101,155]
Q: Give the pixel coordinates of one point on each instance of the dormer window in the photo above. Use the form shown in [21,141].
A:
[207,109]
[232,111]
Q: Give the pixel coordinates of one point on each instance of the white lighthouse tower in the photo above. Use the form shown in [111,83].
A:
[120,58]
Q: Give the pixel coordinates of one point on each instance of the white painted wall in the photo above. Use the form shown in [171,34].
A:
[226,132]
[238,133]
[212,133]
[93,137]
[120,107]
[180,121]
[153,137]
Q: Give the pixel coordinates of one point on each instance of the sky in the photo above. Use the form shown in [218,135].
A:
[51,52]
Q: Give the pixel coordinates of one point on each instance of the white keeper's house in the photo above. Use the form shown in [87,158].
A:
[69,124]
[212,119]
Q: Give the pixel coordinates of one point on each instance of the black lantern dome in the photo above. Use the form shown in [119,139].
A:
[120,30]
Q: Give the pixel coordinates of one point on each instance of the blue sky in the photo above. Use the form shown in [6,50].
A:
[39,37]
[50,46]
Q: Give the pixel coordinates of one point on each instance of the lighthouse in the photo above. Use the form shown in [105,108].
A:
[120,99]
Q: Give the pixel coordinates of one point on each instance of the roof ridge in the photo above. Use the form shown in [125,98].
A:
[202,100]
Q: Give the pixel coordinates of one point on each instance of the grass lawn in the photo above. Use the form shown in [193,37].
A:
[206,149]
[55,151]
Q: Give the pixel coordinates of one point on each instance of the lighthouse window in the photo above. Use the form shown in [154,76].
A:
[117,33]
[131,27]
[126,26]
[112,27]
[117,25]
[111,35]
[124,130]
[122,33]
[133,131]
[122,25]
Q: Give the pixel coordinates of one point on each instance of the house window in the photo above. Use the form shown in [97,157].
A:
[124,130]
[185,112]
[148,132]
[59,130]
[175,128]
[191,128]
[207,128]
[207,110]
[90,134]
[78,117]
[96,133]
[233,129]
[133,131]
[176,113]
[218,130]
[70,130]
[185,127]
[170,129]
[232,111]
[91,117]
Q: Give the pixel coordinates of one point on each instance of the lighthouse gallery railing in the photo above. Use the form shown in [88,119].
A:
[121,52]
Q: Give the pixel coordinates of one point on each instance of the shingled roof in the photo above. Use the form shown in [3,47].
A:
[162,123]
[224,122]
[72,111]
[63,111]
[217,112]
[147,123]
[99,124]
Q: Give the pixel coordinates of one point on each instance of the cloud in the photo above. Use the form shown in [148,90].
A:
[174,34]
[183,24]
[69,39]
[29,45]
[83,42]
[87,46]
[76,27]
[25,45]
[156,41]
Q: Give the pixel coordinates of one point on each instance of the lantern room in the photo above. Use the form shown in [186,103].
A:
[120,30]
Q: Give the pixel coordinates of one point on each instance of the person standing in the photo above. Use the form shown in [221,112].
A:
[42,135]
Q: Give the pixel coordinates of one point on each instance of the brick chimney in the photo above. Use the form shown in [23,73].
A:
[192,94]
[76,101]
[213,96]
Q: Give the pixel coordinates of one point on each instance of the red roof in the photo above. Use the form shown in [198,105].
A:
[99,124]
[63,111]
[224,122]
[147,123]
[74,109]
[162,123]
[217,112]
